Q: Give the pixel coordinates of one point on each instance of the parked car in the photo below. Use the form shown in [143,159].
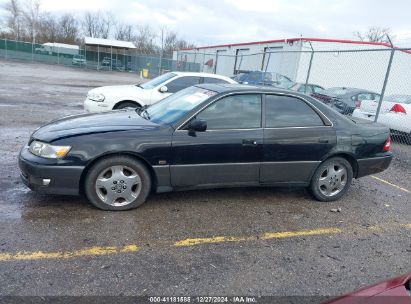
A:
[395,113]
[393,291]
[114,64]
[308,89]
[79,60]
[205,136]
[345,100]
[263,78]
[135,96]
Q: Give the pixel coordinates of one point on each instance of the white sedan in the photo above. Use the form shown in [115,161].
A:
[395,113]
[133,96]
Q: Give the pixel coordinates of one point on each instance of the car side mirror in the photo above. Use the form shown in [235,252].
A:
[197,125]
[163,89]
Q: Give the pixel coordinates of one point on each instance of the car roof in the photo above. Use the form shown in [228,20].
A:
[351,90]
[231,87]
[199,74]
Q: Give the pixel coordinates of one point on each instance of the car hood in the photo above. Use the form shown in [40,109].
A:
[114,121]
[118,90]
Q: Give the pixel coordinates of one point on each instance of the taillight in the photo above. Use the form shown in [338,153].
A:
[387,144]
[397,108]
[358,104]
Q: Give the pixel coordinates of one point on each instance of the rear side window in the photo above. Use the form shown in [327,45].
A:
[286,111]
[182,83]
[213,80]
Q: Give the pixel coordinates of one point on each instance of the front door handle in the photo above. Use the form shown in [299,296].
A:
[323,140]
[249,142]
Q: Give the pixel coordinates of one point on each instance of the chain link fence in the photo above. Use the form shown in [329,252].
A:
[362,82]
[97,58]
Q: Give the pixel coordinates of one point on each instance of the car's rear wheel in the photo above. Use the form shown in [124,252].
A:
[332,179]
[126,104]
[117,183]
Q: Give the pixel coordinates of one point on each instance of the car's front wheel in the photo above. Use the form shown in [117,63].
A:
[332,179]
[125,105]
[117,183]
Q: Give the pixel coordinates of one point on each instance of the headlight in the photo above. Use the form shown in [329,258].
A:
[96,97]
[48,151]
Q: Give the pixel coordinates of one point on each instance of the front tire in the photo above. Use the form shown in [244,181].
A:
[125,105]
[117,183]
[331,180]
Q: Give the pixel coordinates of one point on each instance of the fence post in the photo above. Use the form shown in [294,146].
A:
[5,43]
[215,64]
[98,57]
[387,74]
[266,66]
[309,68]
[111,58]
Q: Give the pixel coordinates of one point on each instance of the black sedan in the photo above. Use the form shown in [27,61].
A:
[345,100]
[204,136]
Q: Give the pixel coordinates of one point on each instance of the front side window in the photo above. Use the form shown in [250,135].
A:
[182,83]
[157,81]
[241,111]
[286,111]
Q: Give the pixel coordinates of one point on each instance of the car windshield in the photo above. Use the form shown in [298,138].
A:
[399,98]
[157,81]
[173,108]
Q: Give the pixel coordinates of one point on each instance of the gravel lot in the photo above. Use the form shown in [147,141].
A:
[371,240]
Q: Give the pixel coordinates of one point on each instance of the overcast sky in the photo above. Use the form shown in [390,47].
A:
[205,22]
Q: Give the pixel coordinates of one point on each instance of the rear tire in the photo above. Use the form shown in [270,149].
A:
[331,180]
[126,104]
[117,183]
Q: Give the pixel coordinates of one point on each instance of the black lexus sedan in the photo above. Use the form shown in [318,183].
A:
[206,136]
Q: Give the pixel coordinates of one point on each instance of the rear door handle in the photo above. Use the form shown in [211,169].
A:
[249,142]
[323,140]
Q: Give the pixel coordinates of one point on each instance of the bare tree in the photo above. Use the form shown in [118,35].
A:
[124,32]
[107,22]
[172,43]
[26,22]
[48,29]
[14,19]
[69,29]
[145,40]
[98,24]
[90,24]
[375,34]
[31,14]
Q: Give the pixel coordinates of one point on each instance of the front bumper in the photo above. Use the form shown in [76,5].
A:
[368,166]
[43,176]
[95,107]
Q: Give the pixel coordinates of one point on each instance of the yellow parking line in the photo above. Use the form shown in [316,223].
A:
[102,251]
[216,239]
[264,236]
[391,184]
[287,234]
[40,255]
